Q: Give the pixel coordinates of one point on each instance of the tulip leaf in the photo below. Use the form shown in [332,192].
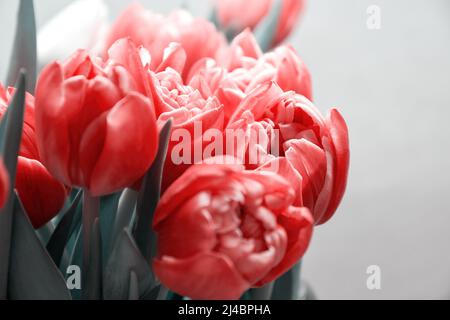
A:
[287,287]
[133,291]
[24,53]
[264,293]
[34,275]
[108,211]
[265,32]
[149,197]
[10,137]
[94,276]
[63,231]
[124,259]
[76,258]
[124,215]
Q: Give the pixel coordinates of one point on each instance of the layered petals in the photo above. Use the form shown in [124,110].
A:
[222,230]
[4,184]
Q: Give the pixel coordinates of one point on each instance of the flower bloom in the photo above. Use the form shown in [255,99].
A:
[222,230]
[41,194]
[232,15]
[241,67]
[95,124]
[155,32]
[188,110]
[317,148]
[4,184]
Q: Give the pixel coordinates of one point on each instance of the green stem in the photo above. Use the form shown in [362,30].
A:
[91,212]
[264,293]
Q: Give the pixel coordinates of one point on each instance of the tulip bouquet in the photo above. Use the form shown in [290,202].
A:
[165,157]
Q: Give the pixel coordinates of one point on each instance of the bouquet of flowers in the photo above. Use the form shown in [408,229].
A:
[164,157]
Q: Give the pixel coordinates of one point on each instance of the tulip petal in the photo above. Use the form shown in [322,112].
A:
[298,223]
[41,195]
[340,140]
[174,57]
[203,276]
[130,145]
[4,184]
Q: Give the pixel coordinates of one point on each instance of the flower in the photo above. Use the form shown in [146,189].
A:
[41,194]
[316,147]
[155,32]
[4,184]
[231,15]
[95,124]
[190,112]
[222,230]
[241,67]
[82,24]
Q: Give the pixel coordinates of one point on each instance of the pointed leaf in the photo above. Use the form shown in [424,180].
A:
[133,291]
[34,276]
[24,53]
[10,137]
[266,30]
[125,258]
[108,211]
[149,197]
[124,215]
[63,231]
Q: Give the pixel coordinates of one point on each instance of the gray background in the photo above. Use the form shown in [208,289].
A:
[393,86]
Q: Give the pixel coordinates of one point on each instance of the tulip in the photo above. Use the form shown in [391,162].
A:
[231,15]
[95,124]
[155,32]
[190,112]
[316,147]
[4,184]
[41,194]
[241,67]
[222,230]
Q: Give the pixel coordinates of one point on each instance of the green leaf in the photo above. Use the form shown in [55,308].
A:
[287,287]
[124,215]
[108,212]
[124,259]
[34,275]
[10,137]
[63,231]
[149,197]
[133,291]
[24,53]
[266,30]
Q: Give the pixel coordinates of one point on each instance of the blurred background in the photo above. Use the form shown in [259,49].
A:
[393,87]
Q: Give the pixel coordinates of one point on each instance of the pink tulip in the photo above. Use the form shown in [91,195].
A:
[317,148]
[222,230]
[95,123]
[238,15]
[155,32]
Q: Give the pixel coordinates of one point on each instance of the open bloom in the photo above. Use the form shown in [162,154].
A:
[95,124]
[241,67]
[4,184]
[41,194]
[238,15]
[222,230]
[315,146]
[155,32]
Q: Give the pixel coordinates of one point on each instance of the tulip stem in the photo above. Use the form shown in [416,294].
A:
[91,212]
[264,293]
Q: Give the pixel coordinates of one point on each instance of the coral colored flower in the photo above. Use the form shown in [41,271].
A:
[96,125]
[316,147]
[4,184]
[41,194]
[242,67]
[222,230]
[189,111]
[238,15]
[155,32]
